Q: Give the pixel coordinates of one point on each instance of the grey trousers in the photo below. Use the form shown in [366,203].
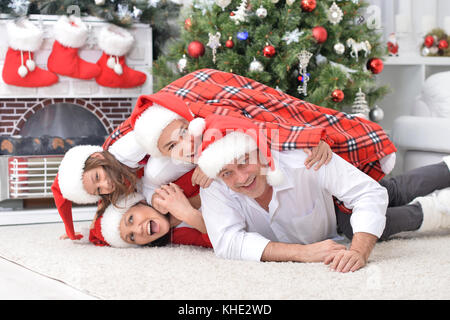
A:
[403,189]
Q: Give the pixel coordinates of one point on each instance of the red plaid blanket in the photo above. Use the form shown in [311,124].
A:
[300,124]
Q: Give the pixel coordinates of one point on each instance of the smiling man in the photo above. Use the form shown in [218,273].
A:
[266,206]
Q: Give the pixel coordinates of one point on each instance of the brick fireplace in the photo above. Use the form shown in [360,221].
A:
[108,107]
[16,111]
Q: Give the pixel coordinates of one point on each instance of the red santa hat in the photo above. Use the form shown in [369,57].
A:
[226,139]
[68,184]
[153,113]
[106,231]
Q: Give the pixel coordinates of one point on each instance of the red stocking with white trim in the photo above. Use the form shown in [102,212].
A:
[20,68]
[115,43]
[70,34]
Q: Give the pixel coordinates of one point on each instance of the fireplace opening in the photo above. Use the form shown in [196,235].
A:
[64,120]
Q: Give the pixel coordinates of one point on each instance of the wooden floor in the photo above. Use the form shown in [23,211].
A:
[19,283]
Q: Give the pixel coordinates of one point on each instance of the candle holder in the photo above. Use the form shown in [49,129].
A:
[407,45]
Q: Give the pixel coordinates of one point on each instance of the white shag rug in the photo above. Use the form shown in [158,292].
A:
[403,268]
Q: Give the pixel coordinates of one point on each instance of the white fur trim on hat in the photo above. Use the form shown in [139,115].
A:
[111,218]
[149,126]
[70,174]
[70,31]
[224,151]
[24,35]
[114,40]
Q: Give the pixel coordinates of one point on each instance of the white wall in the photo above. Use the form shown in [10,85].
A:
[416,9]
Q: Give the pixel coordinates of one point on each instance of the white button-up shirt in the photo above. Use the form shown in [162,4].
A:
[301,210]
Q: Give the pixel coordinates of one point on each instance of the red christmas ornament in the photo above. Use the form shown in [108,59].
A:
[229,43]
[188,24]
[308,5]
[269,51]
[196,49]
[429,41]
[443,44]
[320,34]
[337,95]
[375,65]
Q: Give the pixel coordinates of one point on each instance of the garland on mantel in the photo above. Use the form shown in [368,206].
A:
[124,13]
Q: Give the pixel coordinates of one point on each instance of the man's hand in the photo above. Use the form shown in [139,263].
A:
[198,177]
[321,155]
[345,261]
[316,252]
[356,257]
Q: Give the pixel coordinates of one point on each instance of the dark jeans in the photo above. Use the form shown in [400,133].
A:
[403,189]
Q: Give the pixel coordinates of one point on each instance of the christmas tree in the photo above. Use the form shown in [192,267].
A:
[320,51]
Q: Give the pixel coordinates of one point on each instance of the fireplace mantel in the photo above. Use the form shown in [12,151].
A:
[110,105]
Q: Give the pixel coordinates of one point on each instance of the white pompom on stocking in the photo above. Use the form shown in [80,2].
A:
[22,71]
[31,65]
[111,62]
[118,69]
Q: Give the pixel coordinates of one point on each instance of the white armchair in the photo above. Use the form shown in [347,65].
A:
[423,137]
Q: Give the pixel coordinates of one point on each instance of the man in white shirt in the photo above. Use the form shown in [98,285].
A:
[248,219]
[252,215]
[252,219]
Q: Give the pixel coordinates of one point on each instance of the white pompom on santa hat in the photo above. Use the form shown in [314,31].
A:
[226,139]
[153,113]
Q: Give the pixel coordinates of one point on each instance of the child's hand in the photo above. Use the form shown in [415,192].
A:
[158,203]
[198,177]
[173,199]
[78,236]
[321,155]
